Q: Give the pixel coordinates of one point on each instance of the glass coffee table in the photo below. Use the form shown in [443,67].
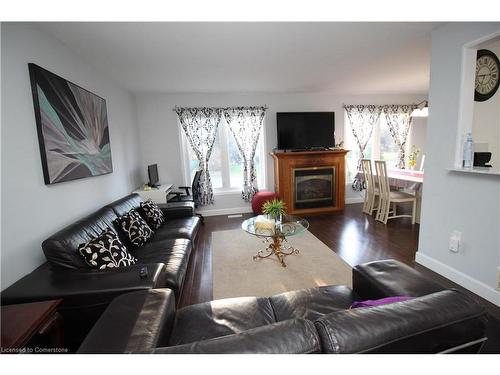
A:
[275,233]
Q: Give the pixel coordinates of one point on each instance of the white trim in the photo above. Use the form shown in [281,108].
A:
[225,211]
[184,145]
[466,96]
[354,200]
[475,286]
[228,191]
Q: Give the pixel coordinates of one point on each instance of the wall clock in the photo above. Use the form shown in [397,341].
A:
[487,75]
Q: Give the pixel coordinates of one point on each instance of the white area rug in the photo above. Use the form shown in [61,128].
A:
[236,274]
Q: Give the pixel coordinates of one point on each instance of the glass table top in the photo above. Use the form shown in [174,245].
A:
[263,226]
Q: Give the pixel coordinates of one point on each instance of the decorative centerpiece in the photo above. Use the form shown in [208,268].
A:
[274,209]
[412,158]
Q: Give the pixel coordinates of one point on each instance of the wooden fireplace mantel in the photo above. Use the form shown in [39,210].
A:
[285,164]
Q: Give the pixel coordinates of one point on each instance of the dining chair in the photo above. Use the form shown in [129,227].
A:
[386,197]
[371,192]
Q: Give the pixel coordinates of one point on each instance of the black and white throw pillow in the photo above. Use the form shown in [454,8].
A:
[135,228]
[153,214]
[106,251]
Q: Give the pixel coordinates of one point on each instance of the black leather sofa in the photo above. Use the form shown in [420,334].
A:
[316,320]
[86,293]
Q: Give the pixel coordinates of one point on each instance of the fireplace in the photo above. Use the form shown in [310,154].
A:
[310,182]
[314,187]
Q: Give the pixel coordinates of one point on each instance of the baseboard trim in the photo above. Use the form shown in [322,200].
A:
[225,211]
[475,286]
[245,210]
[354,200]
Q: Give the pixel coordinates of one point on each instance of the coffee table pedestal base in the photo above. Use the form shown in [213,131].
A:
[277,248]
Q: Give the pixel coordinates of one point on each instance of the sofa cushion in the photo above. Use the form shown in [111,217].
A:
[135,228]
[378,302]
[125,204]
[106,251]
[173,253]
[220,318]
[295,336]
[186,227]
[153,214]
[312,303]
[430,324]
[61,249]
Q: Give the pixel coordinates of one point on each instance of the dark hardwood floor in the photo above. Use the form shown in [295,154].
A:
[354,236]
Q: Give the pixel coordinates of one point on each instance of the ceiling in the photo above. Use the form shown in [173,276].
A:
[336,57]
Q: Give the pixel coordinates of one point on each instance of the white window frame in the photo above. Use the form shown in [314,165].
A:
[223,133]
[374,140]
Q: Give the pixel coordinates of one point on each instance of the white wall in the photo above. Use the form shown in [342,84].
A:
[418,136]
[31,210]
[457,201]
[160,138]
[486,120]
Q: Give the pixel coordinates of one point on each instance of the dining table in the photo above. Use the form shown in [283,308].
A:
[404,179]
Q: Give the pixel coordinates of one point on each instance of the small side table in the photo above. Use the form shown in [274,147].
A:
[28,325]
[157,195]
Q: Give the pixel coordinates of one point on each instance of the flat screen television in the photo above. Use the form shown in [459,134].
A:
[153,175]
[305,130]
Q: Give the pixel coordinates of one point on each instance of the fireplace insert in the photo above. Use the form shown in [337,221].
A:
[314,187]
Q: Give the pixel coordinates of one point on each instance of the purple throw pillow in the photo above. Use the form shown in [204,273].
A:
[379,302]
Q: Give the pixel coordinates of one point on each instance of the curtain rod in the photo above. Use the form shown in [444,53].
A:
[227,107]
[383,105]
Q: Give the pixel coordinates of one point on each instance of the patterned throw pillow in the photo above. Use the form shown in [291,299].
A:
[153,213]
[135,228]
[106,251]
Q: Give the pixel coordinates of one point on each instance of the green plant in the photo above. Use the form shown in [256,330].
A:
[412,158]
[274,208]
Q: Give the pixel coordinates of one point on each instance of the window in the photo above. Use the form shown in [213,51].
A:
[225,165]
[380,147]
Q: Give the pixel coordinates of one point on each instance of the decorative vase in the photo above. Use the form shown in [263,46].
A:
[277,222]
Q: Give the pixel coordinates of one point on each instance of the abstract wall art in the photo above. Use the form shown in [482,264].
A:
[72,125]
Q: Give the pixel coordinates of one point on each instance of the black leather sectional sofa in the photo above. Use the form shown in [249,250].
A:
[86,293]
[316,320]
[127,313]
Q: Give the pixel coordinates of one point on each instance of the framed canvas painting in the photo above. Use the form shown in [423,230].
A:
[72,125]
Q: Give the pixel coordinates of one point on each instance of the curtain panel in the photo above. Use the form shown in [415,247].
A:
[245,123]
[200,126]
[362,119]
[398,118]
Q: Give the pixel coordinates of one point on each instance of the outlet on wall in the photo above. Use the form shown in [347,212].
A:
[455,240]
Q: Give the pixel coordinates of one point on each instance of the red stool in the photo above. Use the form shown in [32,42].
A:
[260,198]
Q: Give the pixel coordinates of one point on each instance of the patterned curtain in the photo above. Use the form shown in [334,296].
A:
[200,126]
[399,120]
[245,124]
[362,119]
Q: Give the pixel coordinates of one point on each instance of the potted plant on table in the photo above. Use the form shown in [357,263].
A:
[412,158]
[274,209]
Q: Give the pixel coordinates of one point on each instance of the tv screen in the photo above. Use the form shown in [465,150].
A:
[153,175]
[305,130]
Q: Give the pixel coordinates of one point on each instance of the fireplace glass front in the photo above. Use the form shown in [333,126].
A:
[314,187]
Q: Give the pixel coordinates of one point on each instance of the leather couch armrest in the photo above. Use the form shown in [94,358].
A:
[176,211]
[81,288]
[294,336]
[133,322]
[430,324]
[388,278]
